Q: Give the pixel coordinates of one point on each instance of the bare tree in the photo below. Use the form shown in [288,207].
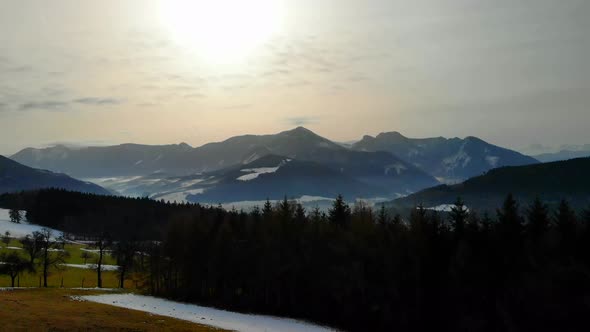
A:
[103,243]
[13,265]
[85,255]
[124,252]
[50,259]
[32,246]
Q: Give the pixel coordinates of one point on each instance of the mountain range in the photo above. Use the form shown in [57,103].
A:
[563,155]
[449,160]
[550,181]
[389,165]
[271,177]
[16,177]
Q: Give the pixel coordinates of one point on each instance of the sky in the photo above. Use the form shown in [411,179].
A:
[514,73]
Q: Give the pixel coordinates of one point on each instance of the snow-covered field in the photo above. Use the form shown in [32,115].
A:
[19,230]
[204,315]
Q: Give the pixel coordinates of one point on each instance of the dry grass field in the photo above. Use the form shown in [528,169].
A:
[54,310]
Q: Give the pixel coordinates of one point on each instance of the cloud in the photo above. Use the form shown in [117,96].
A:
[98,101]
[301,120]
[48,105]
[19,69]
[236,107]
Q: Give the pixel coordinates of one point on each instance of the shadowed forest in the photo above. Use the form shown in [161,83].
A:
[526,267]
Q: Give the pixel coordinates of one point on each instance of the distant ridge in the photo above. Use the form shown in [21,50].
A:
[375,169]
[16,177]
[550,181]
[450,160]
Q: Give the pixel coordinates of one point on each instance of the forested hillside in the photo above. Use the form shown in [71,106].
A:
[551,181]
[521,268]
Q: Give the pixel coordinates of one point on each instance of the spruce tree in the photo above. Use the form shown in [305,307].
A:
[267,209]
[458,216]
[510,223]
[566,222]
[340,213]
[538,219]
[383,218]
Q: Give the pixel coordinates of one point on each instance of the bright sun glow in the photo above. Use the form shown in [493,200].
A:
[222,31]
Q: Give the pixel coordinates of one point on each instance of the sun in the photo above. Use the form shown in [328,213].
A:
[222,31]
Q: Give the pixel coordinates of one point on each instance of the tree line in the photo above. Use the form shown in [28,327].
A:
[525,267]
[361,270]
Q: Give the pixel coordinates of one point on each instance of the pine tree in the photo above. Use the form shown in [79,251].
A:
[285,210]
[300,216]
[566,222]
[316,215]
[510,223]
[383,218]
[267,209]
[256,213]
[458,216]
[538,218]
[340,213]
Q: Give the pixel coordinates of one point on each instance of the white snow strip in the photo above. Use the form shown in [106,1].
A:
[94,251]
[443,208]
[190,183]
[255,172]
[93,267]
[180,196]
[204,315]
[14,248]
[308,199]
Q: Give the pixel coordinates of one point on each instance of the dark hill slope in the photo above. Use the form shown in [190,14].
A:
[551,181]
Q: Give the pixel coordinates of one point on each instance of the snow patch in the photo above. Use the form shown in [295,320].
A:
[443,208]
[180,196]
[92,267]
[204,315]
[460,159]
[255,172]
[492,160]
[190,183]
[398,167]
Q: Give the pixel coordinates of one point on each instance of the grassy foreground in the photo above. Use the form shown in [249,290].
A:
[53,310]
[67,277]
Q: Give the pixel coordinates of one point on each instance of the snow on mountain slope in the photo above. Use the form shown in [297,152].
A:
[253,173]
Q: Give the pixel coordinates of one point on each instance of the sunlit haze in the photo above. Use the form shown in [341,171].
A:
[514,73]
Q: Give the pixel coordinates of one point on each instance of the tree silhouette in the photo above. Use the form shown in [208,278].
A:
[340,212]
[458,216]
[15,216]
[538,218]
[50,258]
[13,265]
